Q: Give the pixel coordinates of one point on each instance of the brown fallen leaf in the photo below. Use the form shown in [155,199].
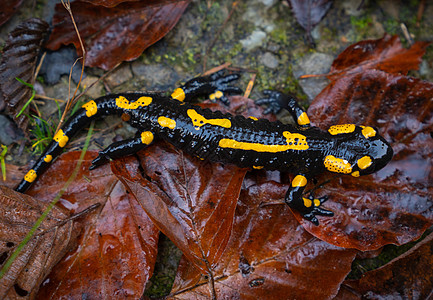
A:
[408,276]
[386,54]
[269,256]
[116,253]
[9,7]
[309,13]
[55,236]
[19,61]
[394,205]
[113,35]
[190,201]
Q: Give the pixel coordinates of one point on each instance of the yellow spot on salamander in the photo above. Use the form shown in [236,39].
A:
[146,137]
[48,158]
[344,128]
[368,131]
[167,122]
[299,181]
[355,174]
[364,162]
[316,202]
[253,118]
[178,94]
[307,202]
[198,120]
[216,95]
[61,138]
[257,167]
[90,108]
[30,176]
[124,103]
[295,141]
[337,165]
[303,119]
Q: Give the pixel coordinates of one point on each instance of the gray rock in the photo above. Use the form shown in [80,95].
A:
[254,40]
[316,63]
[155,76]
[9,132]
[269,60]
[119,76]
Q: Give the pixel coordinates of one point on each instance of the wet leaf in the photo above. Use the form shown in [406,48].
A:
[116,253]
[386,54]
[13,175]
[52,239]
[9,7]
[269,256]
[393,205]
[407,277]
[113,35]
[19,61]
[191,201]
[309,13]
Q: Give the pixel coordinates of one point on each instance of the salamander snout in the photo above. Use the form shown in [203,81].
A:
[360,150]
[376,154]
[381,153]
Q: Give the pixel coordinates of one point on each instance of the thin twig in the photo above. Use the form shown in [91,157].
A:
[39,96]
[67,6]
[216,69]
[250,86]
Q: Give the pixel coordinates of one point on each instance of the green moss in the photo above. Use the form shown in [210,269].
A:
[165,270]
[361,23]
[391,26]
[235,50]
[279,34]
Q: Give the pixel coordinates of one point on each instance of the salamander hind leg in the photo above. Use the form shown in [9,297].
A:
[276,101]
[309,207]
[216,86]
[123,148]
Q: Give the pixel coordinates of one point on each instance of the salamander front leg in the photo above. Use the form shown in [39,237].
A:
[277,100]
[216,86]
[123,148]
[308,207]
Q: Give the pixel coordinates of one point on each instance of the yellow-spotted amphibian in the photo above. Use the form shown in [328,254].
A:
[247,142]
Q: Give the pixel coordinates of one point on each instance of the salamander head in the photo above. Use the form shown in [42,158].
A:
[359,150]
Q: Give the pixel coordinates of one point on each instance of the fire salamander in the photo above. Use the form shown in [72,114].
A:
[246,142]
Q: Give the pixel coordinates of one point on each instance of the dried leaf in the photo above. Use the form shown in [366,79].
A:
[9,7]
[113,35]
[406,277]
[19,60]
[269,256]
[386,54]
[309,13]
[116,253]
[18,213]
[394,205]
